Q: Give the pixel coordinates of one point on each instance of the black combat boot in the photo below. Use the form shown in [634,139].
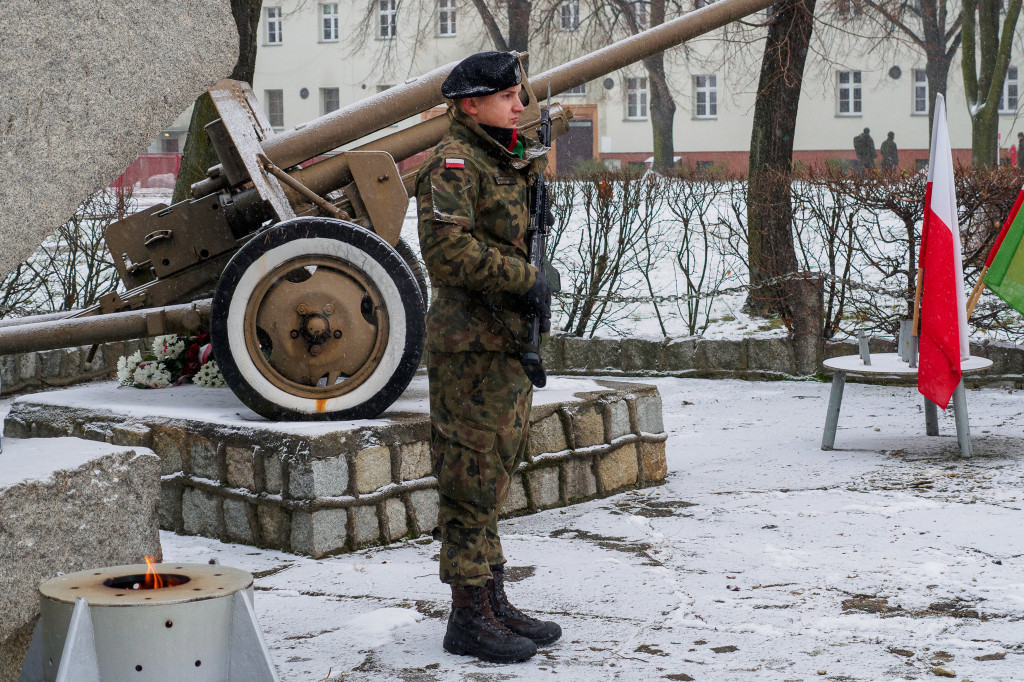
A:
[540,631]
[473,630]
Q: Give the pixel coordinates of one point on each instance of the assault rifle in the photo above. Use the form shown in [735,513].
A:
[541,219]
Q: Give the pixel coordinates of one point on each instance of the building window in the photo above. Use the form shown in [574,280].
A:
[639,8]
[636,98]
[1011,88]
[920,92]
[273,100]
[330,100]
[849,93]
[697,4]
[705,96]
[570,12]
[274,35]
[329,22]
[580,89]
[446,17]
[387,19]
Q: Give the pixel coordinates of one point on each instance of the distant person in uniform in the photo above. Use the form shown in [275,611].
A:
[864,148]
[1020,150]
[890,154]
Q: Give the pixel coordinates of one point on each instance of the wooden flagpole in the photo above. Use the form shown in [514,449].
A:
[979,287]
[915,327]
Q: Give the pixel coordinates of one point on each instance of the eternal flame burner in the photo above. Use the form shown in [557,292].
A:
[112,624]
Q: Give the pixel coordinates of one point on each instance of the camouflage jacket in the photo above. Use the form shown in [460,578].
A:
[473,206]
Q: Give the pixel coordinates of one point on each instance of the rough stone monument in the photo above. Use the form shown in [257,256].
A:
[87,87]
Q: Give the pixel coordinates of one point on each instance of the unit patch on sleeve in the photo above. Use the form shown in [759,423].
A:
[454,163]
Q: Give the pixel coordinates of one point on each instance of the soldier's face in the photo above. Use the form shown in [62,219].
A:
[501,109]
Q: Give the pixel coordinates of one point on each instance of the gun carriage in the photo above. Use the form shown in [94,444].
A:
[314,303]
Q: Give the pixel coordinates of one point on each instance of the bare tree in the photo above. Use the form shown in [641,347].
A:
[72,268]
[776,287]
[984,78]
[925,25]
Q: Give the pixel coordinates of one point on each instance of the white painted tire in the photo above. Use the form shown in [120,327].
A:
[360,250]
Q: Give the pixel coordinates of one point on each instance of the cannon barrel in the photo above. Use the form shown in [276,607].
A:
[373,113]
[46,332]
[645,44]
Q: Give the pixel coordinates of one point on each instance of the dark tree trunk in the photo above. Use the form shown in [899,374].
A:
[519,27]
[775,288]
[493,30]
[663,107]
[198,155]
[937,55]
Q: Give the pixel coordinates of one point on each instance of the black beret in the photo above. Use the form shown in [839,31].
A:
[483,73]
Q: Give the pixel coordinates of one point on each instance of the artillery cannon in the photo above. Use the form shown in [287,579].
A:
[314,304]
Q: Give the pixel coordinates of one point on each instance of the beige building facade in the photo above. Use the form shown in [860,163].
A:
[314,57]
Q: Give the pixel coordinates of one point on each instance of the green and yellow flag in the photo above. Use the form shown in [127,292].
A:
[1005,264]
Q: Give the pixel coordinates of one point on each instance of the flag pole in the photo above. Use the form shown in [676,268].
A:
[979,286]
[915,326]
[976,292]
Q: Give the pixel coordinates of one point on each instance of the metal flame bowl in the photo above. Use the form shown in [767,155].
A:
[172,633]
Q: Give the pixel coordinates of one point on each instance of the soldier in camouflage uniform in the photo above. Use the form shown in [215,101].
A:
[472,195]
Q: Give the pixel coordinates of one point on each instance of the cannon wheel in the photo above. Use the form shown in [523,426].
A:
[413,261]
[317,318]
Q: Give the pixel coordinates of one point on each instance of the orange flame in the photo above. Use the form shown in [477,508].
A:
[153,581]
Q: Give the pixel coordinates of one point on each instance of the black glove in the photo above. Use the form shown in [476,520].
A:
[538,298]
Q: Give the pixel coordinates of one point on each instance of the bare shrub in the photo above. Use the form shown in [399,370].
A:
[72,268]
[700,202]
[616,218]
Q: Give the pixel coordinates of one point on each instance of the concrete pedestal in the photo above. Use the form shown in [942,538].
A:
[319,488]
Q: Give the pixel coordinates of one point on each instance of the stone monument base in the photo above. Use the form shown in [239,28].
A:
[320,488]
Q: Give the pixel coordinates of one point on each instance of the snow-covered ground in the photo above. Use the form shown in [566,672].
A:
[761,558]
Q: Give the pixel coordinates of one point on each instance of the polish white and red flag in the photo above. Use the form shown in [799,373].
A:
[943,335]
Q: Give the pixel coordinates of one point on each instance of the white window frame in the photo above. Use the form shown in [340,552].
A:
[849,91]
[569,15]
[328,22]
[446,19]
[920,93]
[1009,98]
[326,93]
[274,34]
[577,91]
[636,98]
[705,87]
[268,106]
[387,19]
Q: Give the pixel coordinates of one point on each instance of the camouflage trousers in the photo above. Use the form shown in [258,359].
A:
[480,414]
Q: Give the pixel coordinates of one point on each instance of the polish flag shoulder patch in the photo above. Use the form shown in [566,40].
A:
[454,163]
